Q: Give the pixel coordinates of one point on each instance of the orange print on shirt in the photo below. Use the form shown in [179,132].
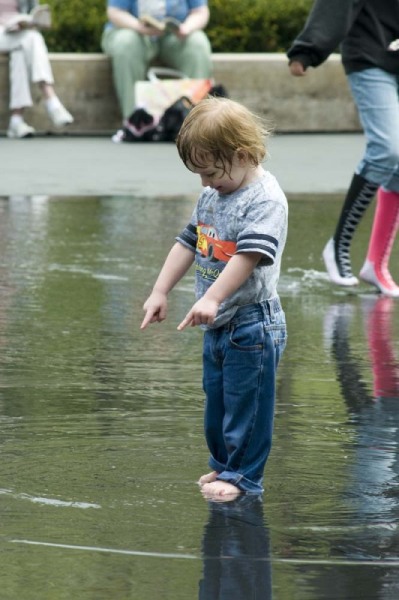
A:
[209,245]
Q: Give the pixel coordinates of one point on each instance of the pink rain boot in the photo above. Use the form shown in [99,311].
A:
[385,225]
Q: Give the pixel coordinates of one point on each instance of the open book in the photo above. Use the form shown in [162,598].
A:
[167,25]
[40,17]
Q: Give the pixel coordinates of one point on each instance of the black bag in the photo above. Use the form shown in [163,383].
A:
[172,119]
[139,127]
[143,127]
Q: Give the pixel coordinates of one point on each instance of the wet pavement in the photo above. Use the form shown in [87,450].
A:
[101,435]
[67,165]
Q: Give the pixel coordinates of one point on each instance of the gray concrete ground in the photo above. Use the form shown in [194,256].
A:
[69,165]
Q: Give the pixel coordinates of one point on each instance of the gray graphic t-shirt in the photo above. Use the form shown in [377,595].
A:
[252,219]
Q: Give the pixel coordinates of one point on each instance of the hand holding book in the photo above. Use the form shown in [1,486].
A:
[167,25]
[39,17]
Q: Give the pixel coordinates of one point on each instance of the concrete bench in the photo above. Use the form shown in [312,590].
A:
[319,102]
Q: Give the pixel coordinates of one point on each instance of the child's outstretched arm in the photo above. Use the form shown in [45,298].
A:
[237,270]
[177,263]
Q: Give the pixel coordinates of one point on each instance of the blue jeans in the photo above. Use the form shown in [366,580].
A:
[240,362]
[375,93]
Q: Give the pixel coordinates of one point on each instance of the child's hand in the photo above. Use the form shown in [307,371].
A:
[156,309]
[202,313]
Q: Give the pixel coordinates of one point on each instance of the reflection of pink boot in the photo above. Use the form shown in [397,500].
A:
[381,346]
[385,225]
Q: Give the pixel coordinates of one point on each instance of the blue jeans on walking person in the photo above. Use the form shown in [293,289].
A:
[375,93]
[240,361]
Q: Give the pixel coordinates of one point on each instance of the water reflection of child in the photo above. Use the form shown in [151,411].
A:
[236,552]
[236,238]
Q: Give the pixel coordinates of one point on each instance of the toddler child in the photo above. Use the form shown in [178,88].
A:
[236,238]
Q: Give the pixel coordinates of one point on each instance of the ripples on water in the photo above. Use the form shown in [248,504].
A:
[101,425]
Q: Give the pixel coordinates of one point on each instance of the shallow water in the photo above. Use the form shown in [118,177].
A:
[101,425]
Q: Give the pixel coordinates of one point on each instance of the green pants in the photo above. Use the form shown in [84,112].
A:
[131,54]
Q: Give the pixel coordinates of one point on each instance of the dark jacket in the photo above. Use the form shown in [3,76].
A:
[361,29]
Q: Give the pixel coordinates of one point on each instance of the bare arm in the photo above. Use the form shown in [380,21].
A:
[177,263]
[197,19]
[236,272]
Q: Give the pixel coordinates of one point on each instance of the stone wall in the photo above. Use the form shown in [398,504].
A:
[318,102]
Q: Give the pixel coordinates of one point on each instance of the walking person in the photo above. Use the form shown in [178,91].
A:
[28,63]
[367,32]
[236,238]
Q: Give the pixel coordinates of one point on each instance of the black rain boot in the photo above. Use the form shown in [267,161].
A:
[336,253]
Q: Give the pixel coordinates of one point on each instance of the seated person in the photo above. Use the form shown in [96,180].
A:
[133,44]
[29,63]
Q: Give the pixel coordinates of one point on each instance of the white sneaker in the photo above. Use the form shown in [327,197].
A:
[60,116]
[332,267]
[20,130]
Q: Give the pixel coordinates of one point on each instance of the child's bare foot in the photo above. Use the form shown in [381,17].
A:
[208,478]
[220,490]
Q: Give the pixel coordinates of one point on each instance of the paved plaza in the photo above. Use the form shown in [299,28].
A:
[74,165]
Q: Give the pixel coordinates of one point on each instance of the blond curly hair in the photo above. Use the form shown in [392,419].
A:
[216,128]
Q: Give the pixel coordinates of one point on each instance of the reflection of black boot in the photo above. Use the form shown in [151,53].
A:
[236,551]
[349,374]
[336,322]
[336,253]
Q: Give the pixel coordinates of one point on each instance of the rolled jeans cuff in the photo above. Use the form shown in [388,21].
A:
[244,484]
